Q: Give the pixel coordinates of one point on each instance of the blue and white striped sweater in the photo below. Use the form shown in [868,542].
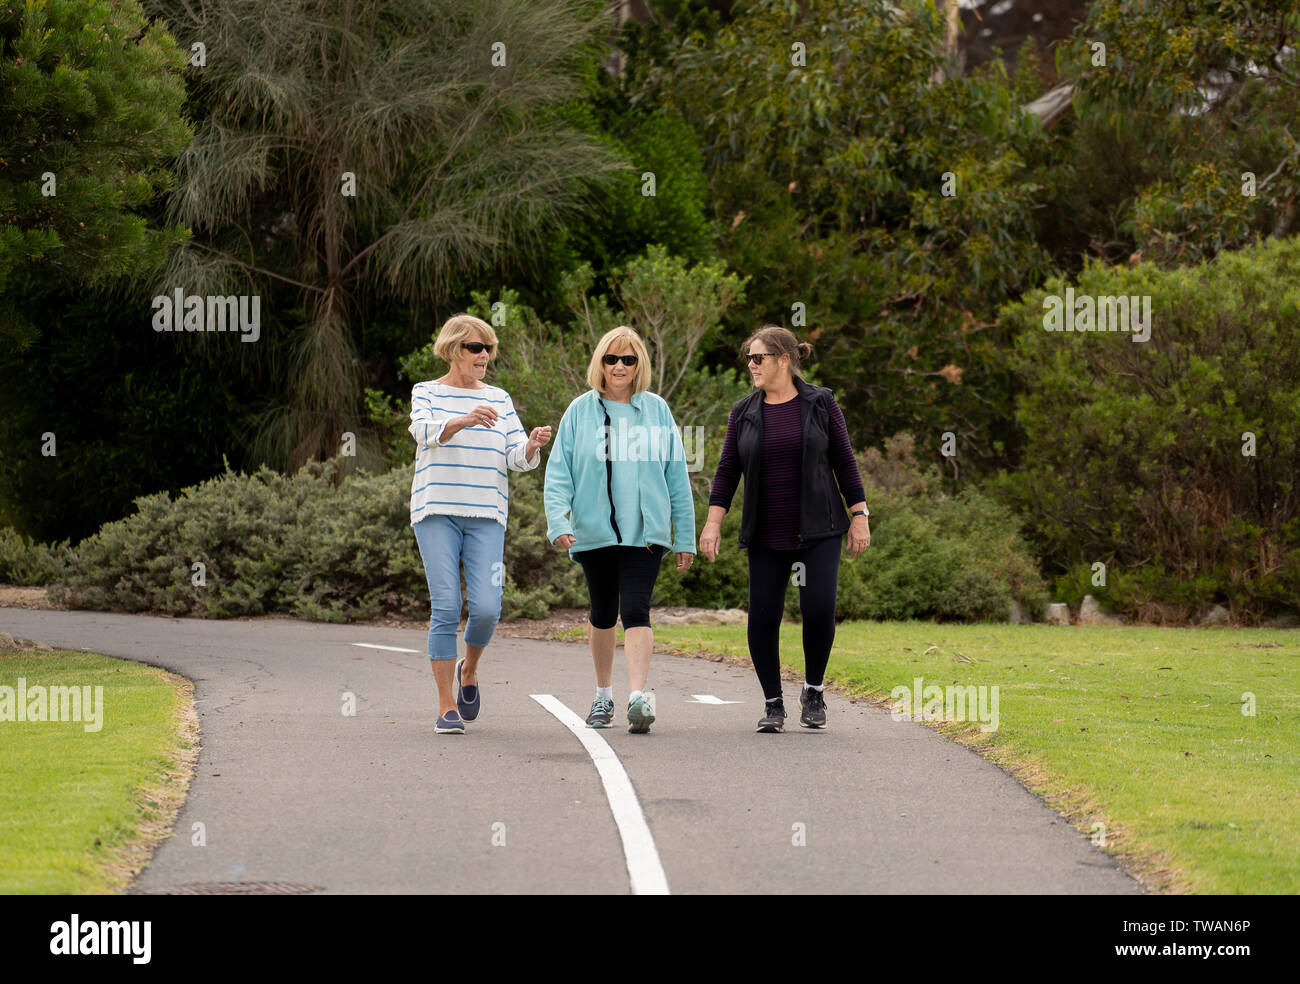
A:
[467,475]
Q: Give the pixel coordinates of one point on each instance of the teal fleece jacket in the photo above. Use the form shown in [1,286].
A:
[577,496]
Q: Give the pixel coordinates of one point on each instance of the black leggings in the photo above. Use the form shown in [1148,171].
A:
[619,582]
[769,576]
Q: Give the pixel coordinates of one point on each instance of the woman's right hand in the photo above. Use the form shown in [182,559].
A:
[565,542]
[711,540]
[481,416]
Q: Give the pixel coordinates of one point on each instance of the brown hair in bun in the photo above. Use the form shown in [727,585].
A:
[781,341]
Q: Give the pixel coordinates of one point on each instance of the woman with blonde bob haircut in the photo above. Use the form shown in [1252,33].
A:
[462,328]
[618,338]
[617,497]
[467,435]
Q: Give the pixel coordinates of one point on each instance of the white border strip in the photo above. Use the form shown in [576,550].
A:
[391,649]
[643,866]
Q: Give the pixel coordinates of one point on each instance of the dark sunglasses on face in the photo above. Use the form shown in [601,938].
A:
[756,358]
[627,360]
[477,347]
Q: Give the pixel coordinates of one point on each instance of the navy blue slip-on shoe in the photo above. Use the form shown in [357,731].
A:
[467,698]
[450,724]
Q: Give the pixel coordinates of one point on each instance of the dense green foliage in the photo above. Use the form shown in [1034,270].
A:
[316,544]
[90,97]
[129,409]
[337,548]
[1173,461]
[932,555]
[626,213]
[1195,108]
[372,156]
[825,164]
[90,119]
[27,561]
[267,542]
[893,204]
[676,307]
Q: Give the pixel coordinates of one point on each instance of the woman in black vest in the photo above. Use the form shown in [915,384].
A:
[790,442]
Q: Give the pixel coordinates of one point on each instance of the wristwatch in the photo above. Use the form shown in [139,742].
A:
[863,512]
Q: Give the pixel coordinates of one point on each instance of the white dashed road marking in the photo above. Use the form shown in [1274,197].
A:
[391,649]
[710,699]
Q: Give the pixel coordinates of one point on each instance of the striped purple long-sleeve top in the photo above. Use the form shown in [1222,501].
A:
[778,518]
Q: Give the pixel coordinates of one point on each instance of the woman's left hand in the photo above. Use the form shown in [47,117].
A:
[684,561]
[859,535]
[536,439]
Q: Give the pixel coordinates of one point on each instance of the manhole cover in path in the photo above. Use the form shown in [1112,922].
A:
[233,888]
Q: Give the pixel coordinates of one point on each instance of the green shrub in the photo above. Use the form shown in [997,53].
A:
[931,556]
[240,528]
[949,558]
[724,583]
[26,562]
[311,545]
[826,187]
[675,307]
[623,220]
[332,547]
[539,575]
[306,544]
[1135,452]
[1149,593]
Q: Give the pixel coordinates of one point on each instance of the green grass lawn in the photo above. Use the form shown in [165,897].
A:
[80,810]
[1139,729]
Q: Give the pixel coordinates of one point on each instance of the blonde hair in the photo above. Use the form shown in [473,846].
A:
[780,341]
[463,328]
[641,371]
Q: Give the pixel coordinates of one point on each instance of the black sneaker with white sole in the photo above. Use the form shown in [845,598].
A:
[812,706]
[774,718]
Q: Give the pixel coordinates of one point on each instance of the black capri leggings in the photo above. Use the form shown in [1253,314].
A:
[619,582]
[769,576]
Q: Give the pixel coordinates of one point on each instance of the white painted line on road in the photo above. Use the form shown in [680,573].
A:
[391,649]
[643,866]
[710,699]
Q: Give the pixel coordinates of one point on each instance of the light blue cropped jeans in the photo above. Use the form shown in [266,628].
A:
[445,541]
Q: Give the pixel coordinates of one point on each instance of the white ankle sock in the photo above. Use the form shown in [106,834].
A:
[809,686]
[633,696]
[606,692]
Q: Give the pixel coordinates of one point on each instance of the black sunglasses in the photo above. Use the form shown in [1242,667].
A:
[757,358]
[627,360]
[477,347]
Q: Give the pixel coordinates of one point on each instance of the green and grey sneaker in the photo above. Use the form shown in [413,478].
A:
[640,714]
[602,713]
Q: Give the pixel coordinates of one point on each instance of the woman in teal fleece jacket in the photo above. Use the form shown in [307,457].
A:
[617,498]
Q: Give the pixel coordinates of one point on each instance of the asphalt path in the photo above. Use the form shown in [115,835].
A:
[290,789]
